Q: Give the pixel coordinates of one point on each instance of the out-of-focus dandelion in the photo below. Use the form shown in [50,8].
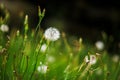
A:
[43,48]
[99,45]
[115,58]
[86,59]
[52,34]
[4,28]
[42,69]
[91,59]
[50,59]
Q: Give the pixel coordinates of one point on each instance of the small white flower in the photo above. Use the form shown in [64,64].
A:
[52,34]
[42,69]
[4,28]
[99,45]
[91,60]
[43,48]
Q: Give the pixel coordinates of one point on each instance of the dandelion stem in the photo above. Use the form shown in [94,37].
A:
[37,52]
[85,71]
[41,15]
[81,67]
[26,66]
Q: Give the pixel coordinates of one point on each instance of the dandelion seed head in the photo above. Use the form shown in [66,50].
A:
[91,60]
[52,34]
[99,45]
[4,28]
[86,59]
[42,69]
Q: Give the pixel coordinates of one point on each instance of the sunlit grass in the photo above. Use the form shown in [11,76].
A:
[50,55]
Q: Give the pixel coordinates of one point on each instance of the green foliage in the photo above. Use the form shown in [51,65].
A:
[21,55]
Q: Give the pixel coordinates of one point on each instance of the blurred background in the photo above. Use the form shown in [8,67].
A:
[89,19]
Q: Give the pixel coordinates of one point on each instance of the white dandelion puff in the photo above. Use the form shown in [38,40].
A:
[42,69]
[4,28]
[91,60]
[43,48]
[52,34]
[99,45]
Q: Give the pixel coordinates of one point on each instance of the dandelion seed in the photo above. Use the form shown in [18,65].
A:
[4,28]
[52,34]
[99,45]
[43,48]
[92,59]
[42,69]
